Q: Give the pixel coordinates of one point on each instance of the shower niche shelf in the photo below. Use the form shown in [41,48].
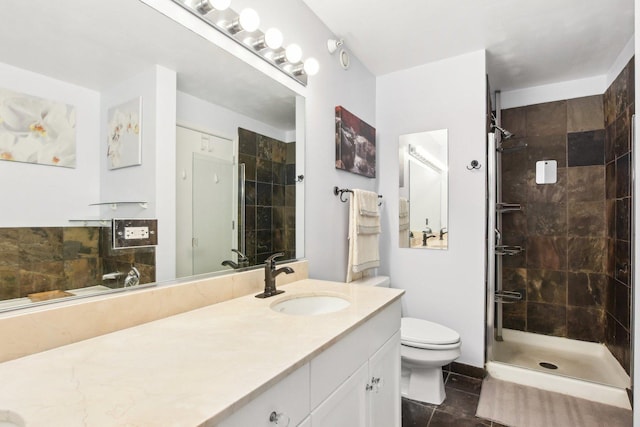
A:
[107,221]
[508,207]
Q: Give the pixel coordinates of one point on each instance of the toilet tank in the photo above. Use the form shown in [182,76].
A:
[381,281]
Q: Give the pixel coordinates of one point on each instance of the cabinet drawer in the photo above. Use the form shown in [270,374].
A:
[333,366]
[290,397]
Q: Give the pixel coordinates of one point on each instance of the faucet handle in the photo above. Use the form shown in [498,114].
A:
[241,257]
[272,259]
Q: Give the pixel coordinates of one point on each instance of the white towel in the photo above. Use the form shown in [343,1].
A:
[404,214]
[363,234]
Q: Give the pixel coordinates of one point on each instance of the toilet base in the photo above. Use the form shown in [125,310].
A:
[424,385]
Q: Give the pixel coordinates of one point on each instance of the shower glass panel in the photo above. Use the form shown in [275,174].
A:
[214,185]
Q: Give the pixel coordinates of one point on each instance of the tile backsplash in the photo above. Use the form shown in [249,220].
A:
[42,259]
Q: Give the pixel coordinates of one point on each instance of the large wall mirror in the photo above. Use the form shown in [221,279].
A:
[221,150]
[423,183]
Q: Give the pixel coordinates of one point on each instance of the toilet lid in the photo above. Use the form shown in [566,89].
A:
[418,331]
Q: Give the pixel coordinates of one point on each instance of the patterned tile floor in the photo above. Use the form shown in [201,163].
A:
[458,409]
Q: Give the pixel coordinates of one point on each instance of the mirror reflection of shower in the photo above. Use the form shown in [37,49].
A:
[503,134]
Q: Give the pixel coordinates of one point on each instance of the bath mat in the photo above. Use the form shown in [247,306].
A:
[516,405]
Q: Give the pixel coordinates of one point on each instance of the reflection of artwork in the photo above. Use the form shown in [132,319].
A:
[37,130]
[124,147]
[355,144]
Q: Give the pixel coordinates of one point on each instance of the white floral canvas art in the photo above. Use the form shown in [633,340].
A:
[36,130]
[124,137]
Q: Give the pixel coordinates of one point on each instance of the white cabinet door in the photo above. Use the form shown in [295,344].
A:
[384,377]
[347,406]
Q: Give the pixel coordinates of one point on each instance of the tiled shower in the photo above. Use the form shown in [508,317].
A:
[575,271]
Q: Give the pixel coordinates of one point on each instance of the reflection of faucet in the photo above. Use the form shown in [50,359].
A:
[112,276]
[426,235]
[242,260]
[133,278]
[270,274]
[443,231]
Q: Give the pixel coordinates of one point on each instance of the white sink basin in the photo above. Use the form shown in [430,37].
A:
[10,419]
[310,305]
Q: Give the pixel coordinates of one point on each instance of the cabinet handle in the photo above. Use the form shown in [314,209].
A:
[277,418]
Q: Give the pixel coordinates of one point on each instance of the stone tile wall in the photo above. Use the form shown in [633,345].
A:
[40,259]
[619,108]
[575,232]
[270,191]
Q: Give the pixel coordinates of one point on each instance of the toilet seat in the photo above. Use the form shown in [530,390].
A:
[421,333]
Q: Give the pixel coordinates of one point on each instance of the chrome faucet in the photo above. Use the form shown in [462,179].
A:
[443,231]
[133,278]
[270,274]
[243,261]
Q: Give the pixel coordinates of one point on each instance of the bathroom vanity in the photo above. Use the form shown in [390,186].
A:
[235,363]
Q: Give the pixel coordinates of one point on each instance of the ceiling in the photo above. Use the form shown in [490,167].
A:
[528,43]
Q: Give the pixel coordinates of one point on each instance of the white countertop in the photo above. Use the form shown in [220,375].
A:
[183,370]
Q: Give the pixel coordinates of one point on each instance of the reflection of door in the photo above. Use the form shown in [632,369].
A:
[213,182]
[206,205]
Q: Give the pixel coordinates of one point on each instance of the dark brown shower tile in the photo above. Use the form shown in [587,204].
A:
[623,219]
[277,217]
[547,286]
[514,186]
[278,172]
[609,107]
[587,219]
[611,257]
[548,253]
[263,243]
[290,218]
[263,194]
[548,147]
[585,148]
[514,279]
[547,319]
[623,176]
[631,82]
[250,217]
[278,243]
[622,141]
[609,143]
[42,277]
[547,219]
[9,283]
[514,120]
[622,345]
[278,195]
[547,119]
[586,113]
[290,195]
[279,152]
[514,223]
[250,193]
[587,289]
[291,153]
[610,330]
[263,218]
[623,263]
[622,306]
[548,193]
[610,180]
[585,183]
[620,88]
[586,324]
[146,256]
[247,142]
[514,316]
[290,174]
[587,254]
[264,171]
[264,147]
[610,219]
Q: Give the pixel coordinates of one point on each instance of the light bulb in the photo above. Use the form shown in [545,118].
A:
[220,4]
[249,20]
[293,53]
[311,66]
[273,38]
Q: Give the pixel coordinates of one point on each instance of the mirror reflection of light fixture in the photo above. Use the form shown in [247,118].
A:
[333,45]
[248,20]
[206,6]
[243,28]
[271,39]
[426,158]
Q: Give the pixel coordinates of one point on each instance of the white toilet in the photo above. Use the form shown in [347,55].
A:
[425,348]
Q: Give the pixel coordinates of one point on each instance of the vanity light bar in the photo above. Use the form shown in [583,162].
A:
[243,28]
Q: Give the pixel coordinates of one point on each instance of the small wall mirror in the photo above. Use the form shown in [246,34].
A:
[423,213]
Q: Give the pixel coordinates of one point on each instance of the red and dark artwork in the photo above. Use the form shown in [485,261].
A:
[355,144]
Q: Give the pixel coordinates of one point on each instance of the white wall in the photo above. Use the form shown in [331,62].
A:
[447,287]
[154,180]
[39,195]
